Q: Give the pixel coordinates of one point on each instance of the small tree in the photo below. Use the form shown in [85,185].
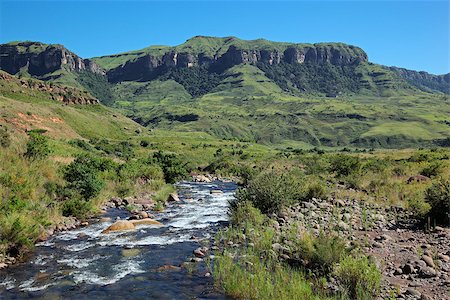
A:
[5,137]
[37,145]
[438,196]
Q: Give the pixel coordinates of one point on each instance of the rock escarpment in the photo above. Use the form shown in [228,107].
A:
[38,59]
[61,93]
[230,53]
[425,81]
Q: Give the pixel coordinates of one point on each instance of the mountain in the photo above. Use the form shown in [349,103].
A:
[425,81]
[289,94]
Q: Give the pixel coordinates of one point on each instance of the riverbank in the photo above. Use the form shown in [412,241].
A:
[150,261]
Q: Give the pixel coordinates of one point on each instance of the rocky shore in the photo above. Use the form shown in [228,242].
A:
[415,263]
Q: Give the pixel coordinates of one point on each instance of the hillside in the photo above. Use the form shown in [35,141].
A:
[300,95]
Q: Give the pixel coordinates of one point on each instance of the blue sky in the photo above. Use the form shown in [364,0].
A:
[410,34]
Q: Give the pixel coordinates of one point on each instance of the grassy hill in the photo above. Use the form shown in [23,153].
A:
[304,95]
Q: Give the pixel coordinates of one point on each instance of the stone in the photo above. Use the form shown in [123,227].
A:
[146,221]
[120,225]
[425,297]
[130,252]
[444,257]
[215,192]
[398,271]
[412,292]
[427,272]
[173,197]
[408,269]
[343,226]
[3,266]
[142,214]
[168,268]
[196,259]
[199,253]
[429,261]
[105,219]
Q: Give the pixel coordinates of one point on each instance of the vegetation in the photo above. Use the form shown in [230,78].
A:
[438,197]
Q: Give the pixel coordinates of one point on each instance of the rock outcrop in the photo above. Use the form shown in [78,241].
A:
[149,66]
[425,81]
[39,59]
[57,92]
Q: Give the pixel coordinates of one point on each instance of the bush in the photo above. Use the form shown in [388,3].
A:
[359,277]
[432,170]
[18,232]
[417,205]
[345,165]
[318,254]
[438,196]
[271,191]
[37,145]
[316,189]
[174,169]
[82,175]
[5,137]
[76,207]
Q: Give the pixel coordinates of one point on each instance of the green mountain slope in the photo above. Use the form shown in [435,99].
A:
[325,94]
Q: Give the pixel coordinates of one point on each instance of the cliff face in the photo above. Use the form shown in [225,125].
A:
[425,81]
[149,66]
[39,59]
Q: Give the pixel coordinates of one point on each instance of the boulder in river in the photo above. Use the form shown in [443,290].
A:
[146,221]
[120,226]
[173,197]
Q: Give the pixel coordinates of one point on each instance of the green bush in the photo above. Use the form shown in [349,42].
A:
[37,145]
[82,175]
[345,165]
[271,191]
[316,189]
[174,169]
[76,207]
[433,169]
[438,196]
[18,232]
[417,205]
[319,254]
[359,277]
[5,137]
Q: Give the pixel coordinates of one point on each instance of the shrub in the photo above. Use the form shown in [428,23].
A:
[359,277]
[5,137]
[18,232]
[345,165]
[438,196]
[37,145]
[82,175]
[271,191]
[417,205]
[76,207]
[318,254]
[316,189]
[432,170]
[174,169]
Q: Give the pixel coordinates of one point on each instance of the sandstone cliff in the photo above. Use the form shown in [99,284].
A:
[38,59]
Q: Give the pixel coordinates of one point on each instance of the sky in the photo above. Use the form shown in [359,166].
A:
[409,34]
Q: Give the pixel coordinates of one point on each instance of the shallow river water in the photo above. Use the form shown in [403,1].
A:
[86,264]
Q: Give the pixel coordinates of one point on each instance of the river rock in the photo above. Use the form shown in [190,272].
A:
[215,192]
[120,226]
[428,260]
[142,215]
[146,221]
[168,268]
[130,252]
[173,197]
[199,253]
[201,178]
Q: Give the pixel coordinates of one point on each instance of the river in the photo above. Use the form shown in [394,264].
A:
[86,264]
